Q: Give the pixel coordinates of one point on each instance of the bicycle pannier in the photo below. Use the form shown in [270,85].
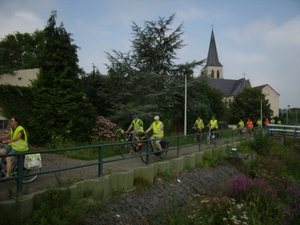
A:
[164,144]
[33,161]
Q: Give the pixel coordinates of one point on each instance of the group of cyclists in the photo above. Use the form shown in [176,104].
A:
[138,130]
[199,126]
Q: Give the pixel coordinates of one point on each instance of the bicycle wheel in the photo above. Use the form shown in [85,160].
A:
[163,154]
[207,140]
[143,151]
[27,177]
[126,150]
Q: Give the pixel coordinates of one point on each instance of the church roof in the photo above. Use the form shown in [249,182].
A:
[212,57]
[229,87]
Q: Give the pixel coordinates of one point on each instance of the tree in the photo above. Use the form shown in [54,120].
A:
[247,104]
[146,78]
[20,51]
[59,105]
[95,88]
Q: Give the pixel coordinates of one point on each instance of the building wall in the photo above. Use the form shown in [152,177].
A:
[20,77]
[273,98]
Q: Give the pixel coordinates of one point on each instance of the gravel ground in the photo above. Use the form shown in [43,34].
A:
[145,206]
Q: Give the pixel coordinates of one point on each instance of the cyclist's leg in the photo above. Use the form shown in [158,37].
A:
[158,145]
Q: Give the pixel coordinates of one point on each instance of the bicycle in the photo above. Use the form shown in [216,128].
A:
[198,134]
[129,148]
[211,137]
[242,131]
[162,154]
[14,172]
[249,131]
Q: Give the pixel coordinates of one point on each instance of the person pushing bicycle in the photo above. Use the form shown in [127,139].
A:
[158,131]
[138,128]
[17,143]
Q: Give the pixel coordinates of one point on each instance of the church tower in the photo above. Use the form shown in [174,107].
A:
[213,68]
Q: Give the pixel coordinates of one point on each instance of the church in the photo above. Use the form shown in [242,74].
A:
[229,87]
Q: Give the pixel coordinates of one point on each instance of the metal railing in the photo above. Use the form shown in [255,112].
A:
[177,144]
[283,130]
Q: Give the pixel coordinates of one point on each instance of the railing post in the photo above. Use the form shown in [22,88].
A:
[178,146]
[20,173]
[100,162]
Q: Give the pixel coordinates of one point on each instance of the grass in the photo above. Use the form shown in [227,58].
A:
[267,192]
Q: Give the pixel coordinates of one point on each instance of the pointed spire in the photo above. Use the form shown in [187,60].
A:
[212,57]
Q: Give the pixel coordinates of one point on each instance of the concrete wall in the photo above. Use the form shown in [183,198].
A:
[20,77]
[104,186]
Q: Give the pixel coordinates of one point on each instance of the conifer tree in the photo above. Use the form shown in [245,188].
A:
[60,108]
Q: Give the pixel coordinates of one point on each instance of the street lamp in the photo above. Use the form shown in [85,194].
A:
[187,72]
[287,115]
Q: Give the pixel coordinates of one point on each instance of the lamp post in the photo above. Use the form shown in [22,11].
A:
[187,72]
[287,115]
[185,103]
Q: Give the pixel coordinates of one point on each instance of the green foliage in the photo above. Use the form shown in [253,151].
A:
[166,175]
[20,51]
[57,207]
[261,143]
[140,183]
[146,79]
[16,100]
[208,160]
[247,104]
[59,105]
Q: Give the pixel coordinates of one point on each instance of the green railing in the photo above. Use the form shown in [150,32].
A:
[177,143]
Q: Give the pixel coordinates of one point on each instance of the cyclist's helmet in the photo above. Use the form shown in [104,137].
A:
[135,115]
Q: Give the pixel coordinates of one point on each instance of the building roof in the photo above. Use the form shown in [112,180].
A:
[265,85]
[212,56]
[229,87]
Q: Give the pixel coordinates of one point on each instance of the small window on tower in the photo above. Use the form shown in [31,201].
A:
[212,74]
[218,74]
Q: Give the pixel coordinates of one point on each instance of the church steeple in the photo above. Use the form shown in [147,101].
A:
[213,67]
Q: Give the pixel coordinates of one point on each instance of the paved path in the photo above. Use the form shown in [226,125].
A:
[65,178]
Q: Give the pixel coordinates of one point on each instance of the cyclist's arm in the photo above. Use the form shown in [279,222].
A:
[129,128]
[5,136]
[19,136]
[148,129]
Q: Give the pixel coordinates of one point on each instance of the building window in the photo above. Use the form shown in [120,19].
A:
[212,74]
[218,74]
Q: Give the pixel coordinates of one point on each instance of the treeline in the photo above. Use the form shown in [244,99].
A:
[65,100]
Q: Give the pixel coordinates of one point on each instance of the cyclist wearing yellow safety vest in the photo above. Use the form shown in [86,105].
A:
[199,124]
[138,128]
[17,143]
[241,125]
[158,131]
[213,124]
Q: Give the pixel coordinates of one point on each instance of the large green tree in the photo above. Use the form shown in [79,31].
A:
[247,105]
[21,51]
[59,105]
[146,79]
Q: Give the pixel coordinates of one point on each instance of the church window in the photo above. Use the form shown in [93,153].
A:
[212,74]
[218,74]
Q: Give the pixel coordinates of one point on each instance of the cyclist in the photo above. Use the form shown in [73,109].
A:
[138,128]
[17,143]
[199,124]
[241,126]
[250,127]
[213,124]
[158,131]
[259,123]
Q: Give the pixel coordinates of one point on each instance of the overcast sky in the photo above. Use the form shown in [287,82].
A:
[258,39]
